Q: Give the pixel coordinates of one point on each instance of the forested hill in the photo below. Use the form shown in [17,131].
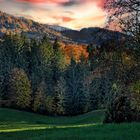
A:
[9,23]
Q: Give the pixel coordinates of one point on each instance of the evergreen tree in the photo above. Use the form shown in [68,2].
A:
[75,98]
[57,67]
[61,93]
[40,64]
[50,105]
[19,89]
[57,62]
[95,94]
[93,56]
[39,104]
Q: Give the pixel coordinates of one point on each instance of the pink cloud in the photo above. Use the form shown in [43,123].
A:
[43,1]
[64,18]
[69,13]
[99,2]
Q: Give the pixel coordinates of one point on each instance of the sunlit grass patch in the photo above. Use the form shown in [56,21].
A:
[6,128]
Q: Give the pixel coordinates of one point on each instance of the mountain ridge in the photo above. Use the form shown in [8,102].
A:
[95,35]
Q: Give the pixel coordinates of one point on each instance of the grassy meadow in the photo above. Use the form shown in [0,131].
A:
[19,125]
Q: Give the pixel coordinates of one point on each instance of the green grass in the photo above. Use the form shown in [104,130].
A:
[19,125]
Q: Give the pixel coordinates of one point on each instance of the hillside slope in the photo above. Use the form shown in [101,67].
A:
[18,125]
[14,116]
[9,23]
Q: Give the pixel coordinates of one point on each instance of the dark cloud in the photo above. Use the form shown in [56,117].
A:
[100,3]
[13,5]
[70,3]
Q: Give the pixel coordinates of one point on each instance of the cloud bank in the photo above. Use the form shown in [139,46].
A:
[74,14]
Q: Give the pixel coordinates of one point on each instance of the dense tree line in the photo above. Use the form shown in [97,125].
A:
[34,76]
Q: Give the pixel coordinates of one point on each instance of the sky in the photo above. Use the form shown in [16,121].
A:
[75,14]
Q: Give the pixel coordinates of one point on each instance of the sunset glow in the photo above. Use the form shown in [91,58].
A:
[74,14]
